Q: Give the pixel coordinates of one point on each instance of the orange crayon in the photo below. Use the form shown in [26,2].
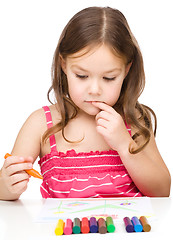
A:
[85,225]
[31,172]
[145,224]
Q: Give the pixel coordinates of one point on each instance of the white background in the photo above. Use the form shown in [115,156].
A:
[29,32]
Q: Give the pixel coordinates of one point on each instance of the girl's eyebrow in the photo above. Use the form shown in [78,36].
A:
[79,67]
[85,70]
[114,70]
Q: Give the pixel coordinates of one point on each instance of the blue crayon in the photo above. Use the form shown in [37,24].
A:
[93,225]
[137,224]
[128,225]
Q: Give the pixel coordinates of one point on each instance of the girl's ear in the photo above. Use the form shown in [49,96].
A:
[128,68]
[63,63]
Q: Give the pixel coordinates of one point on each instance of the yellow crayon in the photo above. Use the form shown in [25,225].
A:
[59,227]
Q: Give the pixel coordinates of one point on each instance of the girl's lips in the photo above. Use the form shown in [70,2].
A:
[93,101]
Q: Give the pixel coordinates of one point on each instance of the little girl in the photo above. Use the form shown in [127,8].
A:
[97,140]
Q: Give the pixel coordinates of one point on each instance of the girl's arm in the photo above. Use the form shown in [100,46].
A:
[146,168]
[13,178]
[28,141]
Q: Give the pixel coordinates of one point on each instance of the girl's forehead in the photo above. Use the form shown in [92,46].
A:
[84,52]
[100,52]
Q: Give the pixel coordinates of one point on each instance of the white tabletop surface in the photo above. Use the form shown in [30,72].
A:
[17,222]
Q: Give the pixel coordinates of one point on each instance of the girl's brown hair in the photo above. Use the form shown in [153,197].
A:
[90,27]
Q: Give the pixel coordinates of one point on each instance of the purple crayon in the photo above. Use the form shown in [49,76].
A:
[128,225]
[93,225]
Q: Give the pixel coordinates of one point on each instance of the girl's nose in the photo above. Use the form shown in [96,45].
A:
[95,87]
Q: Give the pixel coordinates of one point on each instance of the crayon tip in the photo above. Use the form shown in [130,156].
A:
[34,173]
[7,155]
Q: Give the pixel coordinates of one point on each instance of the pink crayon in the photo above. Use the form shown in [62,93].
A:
[68,227]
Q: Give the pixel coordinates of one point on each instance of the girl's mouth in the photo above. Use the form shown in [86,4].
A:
[94,101]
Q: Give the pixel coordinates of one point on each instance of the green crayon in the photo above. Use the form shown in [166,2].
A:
[110,224]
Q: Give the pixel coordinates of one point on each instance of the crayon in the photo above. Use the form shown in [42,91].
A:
[145,224]
[59,227]
[93,225]
[128,225]
[31,172]
[137,225]
[85,225]
[76,226]
[102,226]
[68,227]
[110,224]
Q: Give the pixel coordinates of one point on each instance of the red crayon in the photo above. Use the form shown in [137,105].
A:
[85,225]
[68,227]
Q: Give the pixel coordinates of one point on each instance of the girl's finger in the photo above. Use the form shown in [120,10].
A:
[103,123]
[18,167]
[102,130]
[19,177]
[103,106]
[15,160]
[104,115]
[19,187]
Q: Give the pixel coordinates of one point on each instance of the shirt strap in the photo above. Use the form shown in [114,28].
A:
[49,125]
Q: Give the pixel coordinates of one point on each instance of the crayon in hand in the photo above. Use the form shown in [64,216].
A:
[31,172]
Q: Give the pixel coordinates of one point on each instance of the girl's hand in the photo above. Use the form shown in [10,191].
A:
[14,177]
[111,126]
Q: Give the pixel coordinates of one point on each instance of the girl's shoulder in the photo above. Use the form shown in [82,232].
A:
[38,117]
[29,138]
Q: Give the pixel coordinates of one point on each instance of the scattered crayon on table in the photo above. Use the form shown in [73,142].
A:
[137,224]
[110,224]
[102,226]
[85,225]
[93,225]
[128,225]
[76,226]
[59,227]
[145,224]
[68,227]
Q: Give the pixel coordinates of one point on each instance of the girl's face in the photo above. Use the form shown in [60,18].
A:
[95,76]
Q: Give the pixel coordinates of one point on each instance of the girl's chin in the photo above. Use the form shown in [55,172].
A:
[92,112]
[89,109]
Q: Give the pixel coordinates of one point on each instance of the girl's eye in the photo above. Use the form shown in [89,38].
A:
[81,76]
[109,79]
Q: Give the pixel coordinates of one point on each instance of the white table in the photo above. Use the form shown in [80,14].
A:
[17,222]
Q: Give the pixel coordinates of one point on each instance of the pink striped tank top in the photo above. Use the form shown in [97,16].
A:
[84,175]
